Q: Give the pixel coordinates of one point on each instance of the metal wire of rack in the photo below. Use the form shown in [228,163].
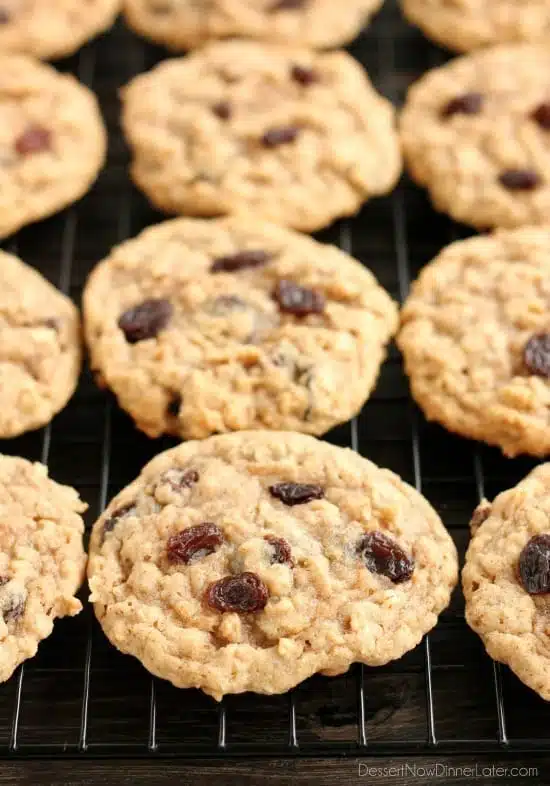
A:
[81,698]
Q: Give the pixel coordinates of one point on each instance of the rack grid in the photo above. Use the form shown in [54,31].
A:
[81,698]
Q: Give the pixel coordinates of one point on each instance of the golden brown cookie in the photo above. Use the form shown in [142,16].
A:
[297,137]
[251,561]
[204,326]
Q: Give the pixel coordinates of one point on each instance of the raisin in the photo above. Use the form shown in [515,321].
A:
[536,354]
[296,493]
[297,300]
[303,75]
[4,580]
[115,517]
[541,115]
[145,320]
[534,565]
[282,135]
[180,479]
[287,5]
[4,16]
[467,104]
[384,556]
[174,405]
[242,594]
[34,139]
[13,607]
[242,259]
[197,541]
[223,110]
[519,179]
[282,552]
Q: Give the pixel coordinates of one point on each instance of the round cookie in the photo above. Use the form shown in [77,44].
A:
[202,326]
[52,141]
[475,339]
[298,137]
[252,561]
[52,28]
[183,24]
[506,579]
[40,352]
[42,559]
[467,24]
[476,133]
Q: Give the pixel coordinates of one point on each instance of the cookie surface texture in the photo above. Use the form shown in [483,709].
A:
[42,559]
[463,25]
[40,348]
[297,137]
[52,28]
[205,326]
[252,561]
[506,584]
[476,134]
[473,339]
[52,138]
[183,24]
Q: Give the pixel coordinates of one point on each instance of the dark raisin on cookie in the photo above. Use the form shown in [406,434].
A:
[197,541]
[281,551]
[520,179]
[296,493]
[252,257]
[243,594]
[4,580]
[384,556]
[541,115]
[299,301]
[534,565]
[174,405]
[282,135]
[145,320]
[536,354]
[223,110]
[13,607]
[115,517]
[4,16]
[180,479]
[35,139]
[303,75]
[466,104]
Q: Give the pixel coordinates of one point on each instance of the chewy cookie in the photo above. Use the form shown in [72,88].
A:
[52,28]
[42,559]
[252,561]
[52,141]
[506,579]
[298,137]
[475,337]
[185,24]
[205,326]
[476,133]
[467,24]
[40,353]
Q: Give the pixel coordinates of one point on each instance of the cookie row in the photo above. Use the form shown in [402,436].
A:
[252,561]
[56,28]
[293,136]
[242,562]
[212,325]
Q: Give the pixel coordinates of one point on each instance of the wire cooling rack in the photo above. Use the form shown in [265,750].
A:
[79,697]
